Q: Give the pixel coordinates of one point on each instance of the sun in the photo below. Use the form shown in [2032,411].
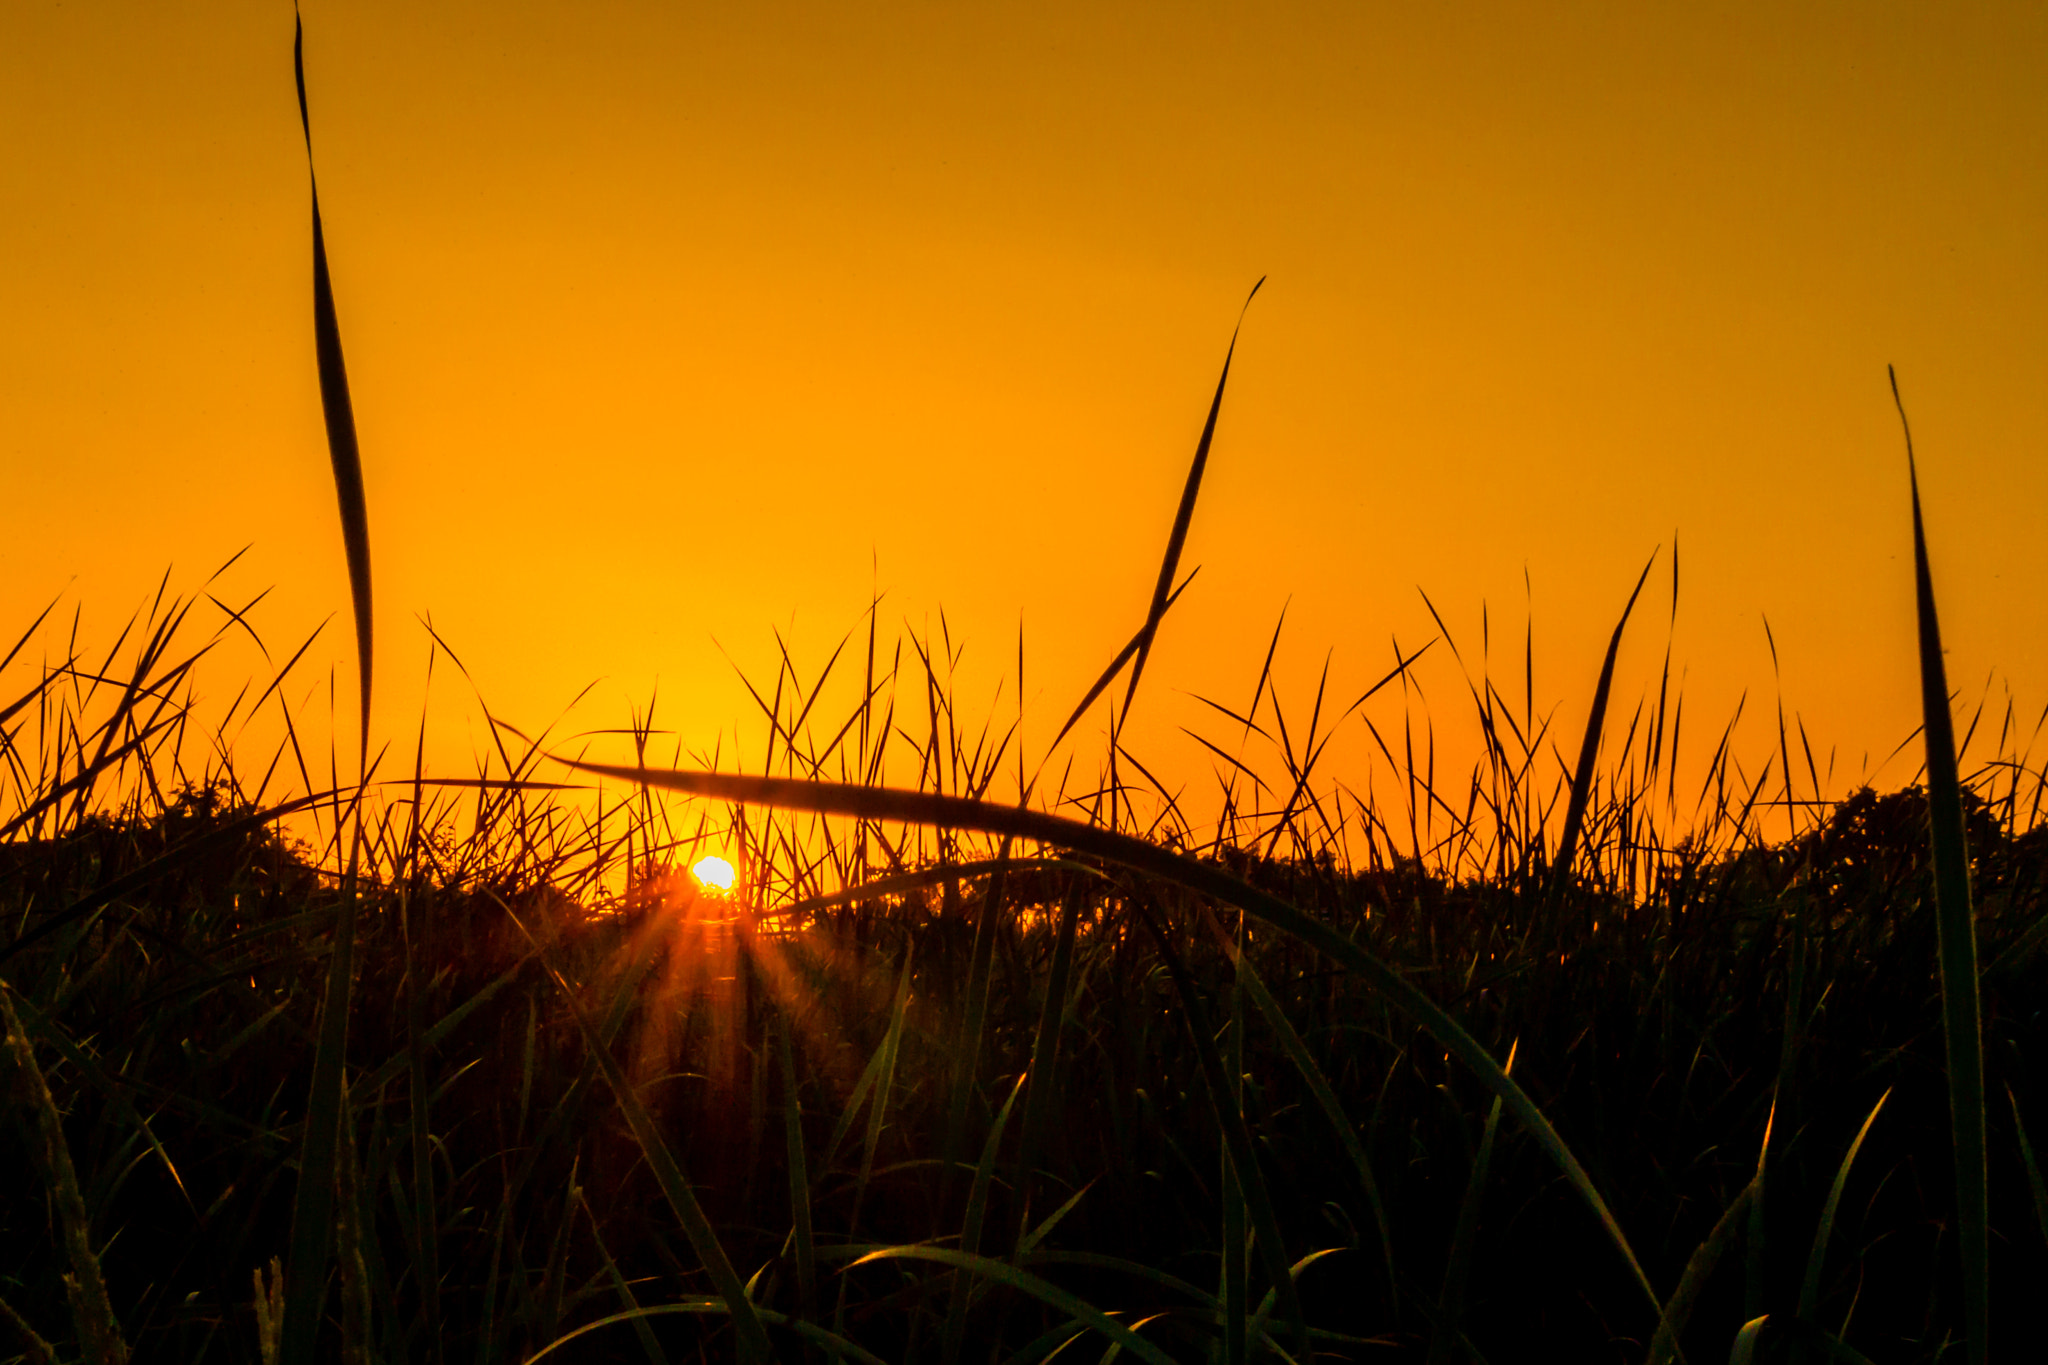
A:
[713,873]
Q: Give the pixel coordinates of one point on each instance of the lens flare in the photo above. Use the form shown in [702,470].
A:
[713,873]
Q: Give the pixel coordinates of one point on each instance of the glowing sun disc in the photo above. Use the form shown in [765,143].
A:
[713,873]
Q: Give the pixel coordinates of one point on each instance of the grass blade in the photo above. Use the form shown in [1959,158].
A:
[1809,1288]
[1698,1269]
[1589,749]
[1237,1141]
[338,411]
[1326,1100]
[970,1225]
[2034,1181]
[1163,591]
[1450,1304]
[1002,1272]
[1961,1018]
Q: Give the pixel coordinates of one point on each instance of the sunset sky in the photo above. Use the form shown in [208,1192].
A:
[672,325]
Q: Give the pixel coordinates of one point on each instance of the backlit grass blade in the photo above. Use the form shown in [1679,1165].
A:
[1816,1259]
[1002,1272]
[339,412]
[961,813]
[1956,936]
[1699,1268]
[1163,592]
[836,1345]
[2035,1184]
[1589,749]
[970,1225]
[1450,1303]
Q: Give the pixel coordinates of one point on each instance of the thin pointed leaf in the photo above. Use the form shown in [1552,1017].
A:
[1956,938]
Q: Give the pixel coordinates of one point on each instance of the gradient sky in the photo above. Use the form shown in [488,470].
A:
[674,324]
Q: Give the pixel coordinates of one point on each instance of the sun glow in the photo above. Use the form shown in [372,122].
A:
[713,873]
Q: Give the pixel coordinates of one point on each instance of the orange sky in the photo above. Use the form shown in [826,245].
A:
[674,324]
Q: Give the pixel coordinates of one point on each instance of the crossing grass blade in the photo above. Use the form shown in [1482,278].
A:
[1163,592]
[962,813]
[1956,937]
[1589,749]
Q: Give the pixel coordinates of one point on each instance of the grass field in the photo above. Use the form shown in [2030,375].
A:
[575,1082]
[1551,1061]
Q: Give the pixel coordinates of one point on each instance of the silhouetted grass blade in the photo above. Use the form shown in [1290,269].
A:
[339,412]
[313,1209]
[1956,937]
[1163,592]
[1589,748]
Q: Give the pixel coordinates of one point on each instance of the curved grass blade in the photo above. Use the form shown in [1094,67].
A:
[1237,1141]
[1744,1349]
[1698,1270]
[970,1225]
[634,1311]
[809,1331]
[1450,1303]
[1163,591]
[1044,1089]
[1809,1288]
[753,1339]
[2034,1181]
[1326,1099]
[1961,1018]
[959,812]
[338,411]
[1257,1329]
[1589,749]
[1002,1272]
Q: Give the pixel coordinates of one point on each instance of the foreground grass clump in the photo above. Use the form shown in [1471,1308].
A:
[986,1095]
